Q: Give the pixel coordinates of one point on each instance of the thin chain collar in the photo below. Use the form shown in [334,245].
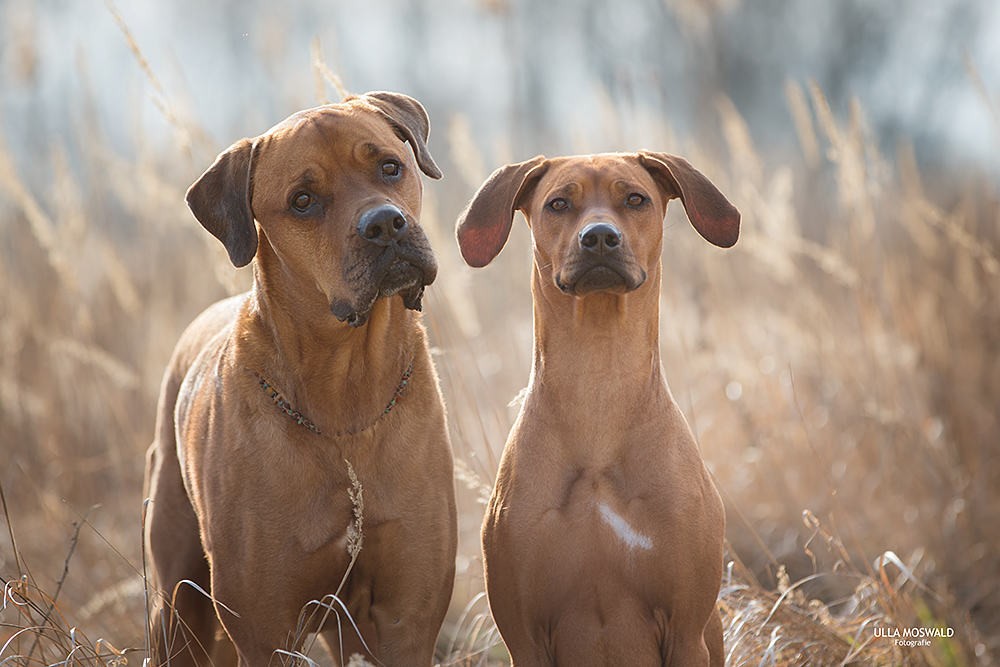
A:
[286,407]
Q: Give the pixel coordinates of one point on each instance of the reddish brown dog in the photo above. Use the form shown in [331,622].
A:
[603,538]
[270,394]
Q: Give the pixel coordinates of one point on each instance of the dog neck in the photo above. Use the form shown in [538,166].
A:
[597,356]
[338,376]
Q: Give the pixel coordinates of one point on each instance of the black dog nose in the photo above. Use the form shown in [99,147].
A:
[600,237]
[382,225]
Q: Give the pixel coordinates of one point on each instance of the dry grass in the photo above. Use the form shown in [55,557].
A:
[840,367]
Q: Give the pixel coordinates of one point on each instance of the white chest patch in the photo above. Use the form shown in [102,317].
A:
[626,533]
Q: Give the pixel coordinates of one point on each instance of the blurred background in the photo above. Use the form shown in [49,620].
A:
[840,366]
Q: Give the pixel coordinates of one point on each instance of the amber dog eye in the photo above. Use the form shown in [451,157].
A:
[302,201]
[558,204]
[391,168]
[635,200]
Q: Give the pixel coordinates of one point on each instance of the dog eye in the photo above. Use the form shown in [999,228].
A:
[391,168]
[302,201]
[635,200]
[558,204]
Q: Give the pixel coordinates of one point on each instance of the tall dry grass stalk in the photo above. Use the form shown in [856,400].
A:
[322,74]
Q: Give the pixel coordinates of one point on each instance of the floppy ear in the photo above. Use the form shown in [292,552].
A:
[483,227]
[408,117]
[220,200]
[709,211]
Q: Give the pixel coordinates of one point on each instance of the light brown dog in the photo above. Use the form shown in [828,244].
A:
[603,537]
[270,394]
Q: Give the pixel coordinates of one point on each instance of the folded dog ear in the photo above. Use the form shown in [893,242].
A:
[220,200]
[483,227]
[709,211]
[409,117]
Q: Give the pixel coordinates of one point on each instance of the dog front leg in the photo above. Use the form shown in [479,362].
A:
[410,567]
[259,607]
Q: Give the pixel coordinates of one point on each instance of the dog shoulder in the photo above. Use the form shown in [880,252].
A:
[214,319]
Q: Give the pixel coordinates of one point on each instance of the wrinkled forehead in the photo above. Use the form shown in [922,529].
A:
[346,123]
[336,134]
[612,173]
[354,109]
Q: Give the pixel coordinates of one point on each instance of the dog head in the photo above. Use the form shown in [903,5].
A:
[596,220]
[336,195]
